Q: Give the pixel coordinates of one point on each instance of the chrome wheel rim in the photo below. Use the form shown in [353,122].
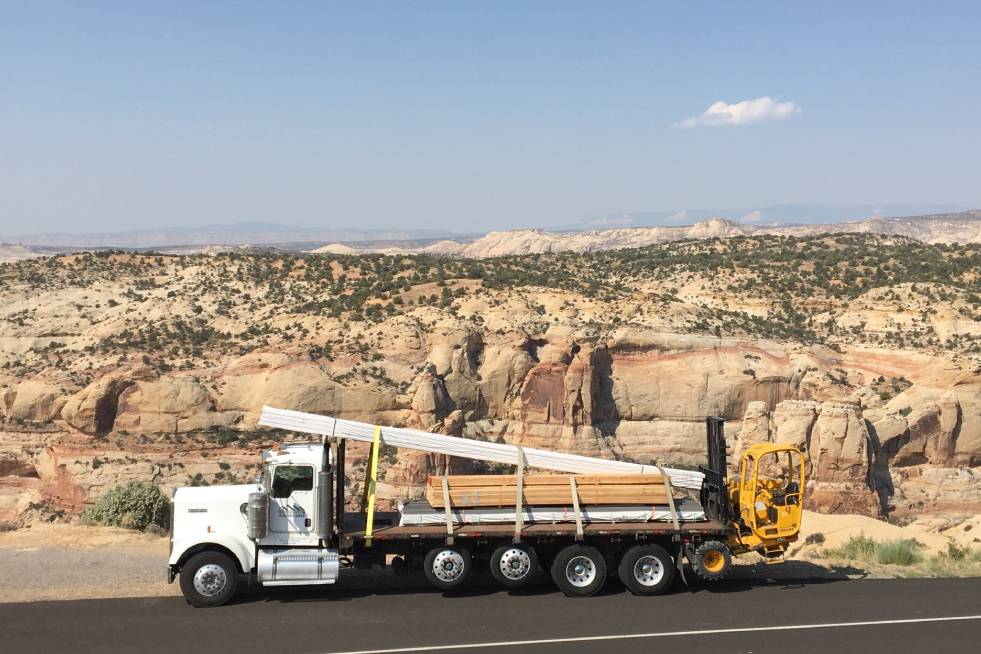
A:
[515,563]
[210,580]
[448,565]
[648,570]
[580,571]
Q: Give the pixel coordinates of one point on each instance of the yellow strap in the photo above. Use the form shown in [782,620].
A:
[369,487]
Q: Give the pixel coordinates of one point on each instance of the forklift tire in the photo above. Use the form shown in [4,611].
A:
[513,566]
[712,560]
[579,570]
[646,570]
[209,579]
[447,567]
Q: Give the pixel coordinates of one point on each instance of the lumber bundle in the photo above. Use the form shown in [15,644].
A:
[547,490]
[311,423]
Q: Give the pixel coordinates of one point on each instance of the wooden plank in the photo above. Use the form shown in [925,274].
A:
[475,481]
[548,495]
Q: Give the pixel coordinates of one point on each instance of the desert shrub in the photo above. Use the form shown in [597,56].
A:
[902,551]
[815,539]
[957,552]
[957,561]
[137,505]
[856,548]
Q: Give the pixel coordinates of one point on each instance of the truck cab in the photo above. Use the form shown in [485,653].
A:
[277,530]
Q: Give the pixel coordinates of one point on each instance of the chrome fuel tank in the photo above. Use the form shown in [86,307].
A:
[296,567]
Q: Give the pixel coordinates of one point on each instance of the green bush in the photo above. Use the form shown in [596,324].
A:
[856,548]
[890,552]
[957,552]
[137,505]
[898,552]
[955,562]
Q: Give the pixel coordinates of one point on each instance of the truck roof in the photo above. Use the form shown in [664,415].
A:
[308,453]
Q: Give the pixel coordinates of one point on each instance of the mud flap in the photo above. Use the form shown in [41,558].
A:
[679,563]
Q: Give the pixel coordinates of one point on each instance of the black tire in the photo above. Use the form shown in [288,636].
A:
[712,560]
[447,567]
[646,570]
[209,579]
[513,566]
[579,570]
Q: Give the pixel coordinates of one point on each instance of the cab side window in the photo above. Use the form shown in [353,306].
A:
[287,479]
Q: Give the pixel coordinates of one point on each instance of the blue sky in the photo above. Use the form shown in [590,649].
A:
[470,116]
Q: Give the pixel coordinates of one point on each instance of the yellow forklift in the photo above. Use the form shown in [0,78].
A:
[762,502]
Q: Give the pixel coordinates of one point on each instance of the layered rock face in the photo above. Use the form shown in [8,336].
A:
[835,443]
[891,458]
[636,395]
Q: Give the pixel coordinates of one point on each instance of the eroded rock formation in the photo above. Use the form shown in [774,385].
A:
[634,395]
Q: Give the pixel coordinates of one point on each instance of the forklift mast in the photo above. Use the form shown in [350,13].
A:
[714,495]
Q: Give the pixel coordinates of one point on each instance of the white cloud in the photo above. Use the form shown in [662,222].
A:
[752,217]
[747,112]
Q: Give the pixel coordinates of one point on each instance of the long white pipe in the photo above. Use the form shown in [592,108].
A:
[468,448]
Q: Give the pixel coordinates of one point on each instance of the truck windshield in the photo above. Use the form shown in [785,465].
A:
[287,479]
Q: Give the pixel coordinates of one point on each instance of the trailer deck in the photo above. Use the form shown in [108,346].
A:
[386,528]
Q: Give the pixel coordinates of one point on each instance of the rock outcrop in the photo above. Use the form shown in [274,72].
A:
[873,461]
[32,400]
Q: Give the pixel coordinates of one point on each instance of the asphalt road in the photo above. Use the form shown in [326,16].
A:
[798,617]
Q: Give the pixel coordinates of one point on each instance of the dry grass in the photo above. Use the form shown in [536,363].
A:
[906,557]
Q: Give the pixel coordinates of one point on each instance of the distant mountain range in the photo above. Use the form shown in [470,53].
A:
[250,233]
[963,227]
[947,227]
[798,214]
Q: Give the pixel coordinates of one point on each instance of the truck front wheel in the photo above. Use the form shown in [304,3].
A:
[447,567]
[579,570]
[209,579]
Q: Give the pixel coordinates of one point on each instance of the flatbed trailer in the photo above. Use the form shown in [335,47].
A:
[388,530]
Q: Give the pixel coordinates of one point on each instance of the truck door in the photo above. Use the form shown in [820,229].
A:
[292,500]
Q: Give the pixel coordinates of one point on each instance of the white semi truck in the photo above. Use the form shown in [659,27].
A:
[290,528]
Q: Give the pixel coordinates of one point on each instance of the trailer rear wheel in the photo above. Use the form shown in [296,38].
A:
[209,579]
[579,570]
[513,565]
[447,567]
[712,560]
[646,570]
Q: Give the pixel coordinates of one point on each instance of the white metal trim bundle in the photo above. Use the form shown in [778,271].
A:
[420,513]
[311,423]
